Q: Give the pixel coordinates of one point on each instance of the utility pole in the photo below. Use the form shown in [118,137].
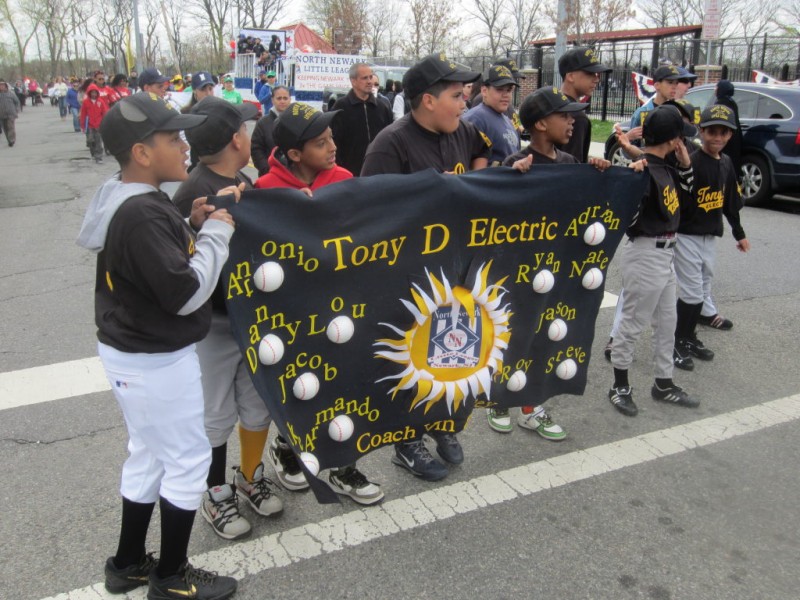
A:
[561,39]
[137,32]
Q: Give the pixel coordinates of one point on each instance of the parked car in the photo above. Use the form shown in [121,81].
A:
[770,119]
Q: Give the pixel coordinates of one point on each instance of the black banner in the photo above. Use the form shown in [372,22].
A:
[394,305]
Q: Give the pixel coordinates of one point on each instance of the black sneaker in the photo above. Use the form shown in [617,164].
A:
[674,395]
[622,399]
[716,321]
[607,349]
[119,581]
[681,357]
[448,447]
[415,457]
[189,582]
[697,349]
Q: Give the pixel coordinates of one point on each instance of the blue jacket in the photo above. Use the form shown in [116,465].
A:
[72,98]
[265,97]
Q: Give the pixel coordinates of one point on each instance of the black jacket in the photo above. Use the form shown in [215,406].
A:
[355,128]
[262,142]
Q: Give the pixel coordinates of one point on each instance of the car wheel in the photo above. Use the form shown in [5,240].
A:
[617,156]
[756,188]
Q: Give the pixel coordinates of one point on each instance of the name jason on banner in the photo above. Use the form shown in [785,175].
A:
[392,305]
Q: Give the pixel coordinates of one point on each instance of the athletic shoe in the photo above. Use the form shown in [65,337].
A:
[189,582]
[415,457]
[349,481]
[259,493]
[221,509]
[499,420]
[541,423]
[607,349]
[697,349]
[622,399]
[287,469]
[119,581]
[681,357]
[448,447]
[674,395]
[716,321]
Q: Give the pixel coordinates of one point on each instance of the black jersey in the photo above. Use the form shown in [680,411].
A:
[716,193]
[203,181]
[406,147]
[144,279]
[578,144]
[660,207]
[562,158]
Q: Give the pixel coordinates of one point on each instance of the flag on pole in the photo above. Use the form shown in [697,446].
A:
[130,59]
[643,87]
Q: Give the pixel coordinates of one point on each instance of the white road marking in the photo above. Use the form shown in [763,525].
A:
[79,377]
[360,526]
[52,382]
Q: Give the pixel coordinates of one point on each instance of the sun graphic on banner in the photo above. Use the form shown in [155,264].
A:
[455,344]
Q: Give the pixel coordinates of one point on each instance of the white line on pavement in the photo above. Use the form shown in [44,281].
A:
[80,377]
[359,526]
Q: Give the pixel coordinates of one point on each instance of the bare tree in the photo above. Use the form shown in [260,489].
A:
[594,15]
[344,22]
[152,46]
[431,24]
[172,23]
[261,14]
[526,22]
[23,21]
[381,22]
[114,18]
[492,18]
[215,14]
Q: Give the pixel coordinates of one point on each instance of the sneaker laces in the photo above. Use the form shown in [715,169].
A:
[288,459]
[543,418]
[420,451]
[148,562]
[352,477]
[198,576]
[228,510]
[262,487]
[499,412]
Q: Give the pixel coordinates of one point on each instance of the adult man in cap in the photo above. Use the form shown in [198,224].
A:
[151,80]
[490,115]
[580,71]
[432,135]
[363,117]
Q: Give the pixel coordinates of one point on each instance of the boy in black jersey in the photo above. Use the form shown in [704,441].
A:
[716,193]
[155,273]
[648,276]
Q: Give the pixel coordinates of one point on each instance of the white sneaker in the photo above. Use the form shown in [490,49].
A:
[259,493]
[349,481]
[287,469]
[221,510]
[541,423]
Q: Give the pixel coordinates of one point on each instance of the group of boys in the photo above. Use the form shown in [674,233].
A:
[160,309]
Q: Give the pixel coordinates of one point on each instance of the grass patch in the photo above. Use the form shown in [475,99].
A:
[601,130]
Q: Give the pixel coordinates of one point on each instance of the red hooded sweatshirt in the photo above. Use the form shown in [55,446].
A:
[281,177]
[92,110]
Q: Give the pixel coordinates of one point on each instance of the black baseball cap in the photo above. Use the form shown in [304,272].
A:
[202,79]
[499,76]
[717,114]
[665,123]
[300,123]
[543,102]
[150,76]
[135,117]
[223,120]
[688,110]
[431,70]
[580,58]
[669,72]
[511,65]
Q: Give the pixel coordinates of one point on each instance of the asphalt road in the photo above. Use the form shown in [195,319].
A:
[675,503]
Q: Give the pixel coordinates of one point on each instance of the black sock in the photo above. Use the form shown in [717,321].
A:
[694,319]
[133,532]
[219,460]
[176,527]
[621,378]
[664,384]
[687,319]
